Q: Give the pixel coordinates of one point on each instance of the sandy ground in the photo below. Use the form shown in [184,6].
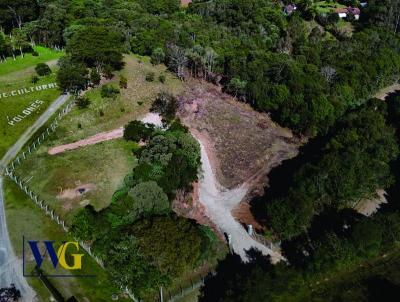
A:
[219,203]
[150,118]
[185,2]
[239,146]
[383,93]
[369,207]
[76,192]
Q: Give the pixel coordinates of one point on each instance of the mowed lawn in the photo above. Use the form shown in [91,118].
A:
[28,61]
[26,219]
[12,106]
[101,168]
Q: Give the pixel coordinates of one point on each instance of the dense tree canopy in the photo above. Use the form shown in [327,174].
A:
[352,164]
[96,46]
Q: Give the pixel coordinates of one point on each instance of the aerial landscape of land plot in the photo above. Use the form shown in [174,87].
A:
[199,151]
[19,93]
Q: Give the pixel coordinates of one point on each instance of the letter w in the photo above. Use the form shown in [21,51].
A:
[38,256]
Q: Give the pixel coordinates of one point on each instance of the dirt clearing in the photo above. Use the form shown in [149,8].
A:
[245,144]
[370,206]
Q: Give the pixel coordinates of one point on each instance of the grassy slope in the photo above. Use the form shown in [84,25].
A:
[105,164]
[30,221]
[16,75]
[45,55]
[349,283]
[131,104]
[12,106]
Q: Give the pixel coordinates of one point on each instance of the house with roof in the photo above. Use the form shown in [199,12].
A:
[348,11]
[289,9]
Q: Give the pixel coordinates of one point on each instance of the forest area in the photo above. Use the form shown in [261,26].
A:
[307,72]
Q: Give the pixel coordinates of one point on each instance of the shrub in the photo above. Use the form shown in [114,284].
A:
[157,56]
[109,91]
[34,79]
[42,69]
[35,53]
[162,78]
[82,102]
[150,77]
[95,77]
[137,130]
[166,105]
[123,82]
[108,72]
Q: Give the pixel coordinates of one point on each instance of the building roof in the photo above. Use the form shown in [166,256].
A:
[353,10]
[348,10]
[290,8]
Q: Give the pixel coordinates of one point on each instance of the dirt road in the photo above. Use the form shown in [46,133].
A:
[383,93]
[219,203]
[150,118]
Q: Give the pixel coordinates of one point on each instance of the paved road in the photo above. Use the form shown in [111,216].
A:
[10,265]
[13,151]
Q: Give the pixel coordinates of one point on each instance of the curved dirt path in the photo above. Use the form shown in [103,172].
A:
[219,203]
[384,92]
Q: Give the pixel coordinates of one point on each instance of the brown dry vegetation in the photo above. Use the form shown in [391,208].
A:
[246,144]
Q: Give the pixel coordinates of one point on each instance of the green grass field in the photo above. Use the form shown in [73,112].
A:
[327,6]
[13,106]
[15,75]
[21,63]
[103,166]
[29,220]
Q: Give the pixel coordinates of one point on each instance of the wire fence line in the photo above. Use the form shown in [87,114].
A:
[22,184]
[174,296]
[166,295]
[10,172]
[41,138]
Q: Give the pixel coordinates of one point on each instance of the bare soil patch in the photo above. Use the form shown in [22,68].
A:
[383,93]
[95,139]
[70,195]
[370,206]
[76,192]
